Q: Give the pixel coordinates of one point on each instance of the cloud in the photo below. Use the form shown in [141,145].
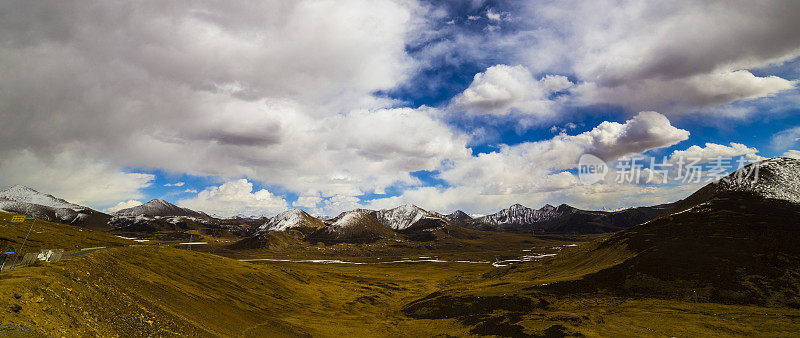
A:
[190,191]
[674,57]
[521,167]
[307,201]
[503,89]
[792,154]
[72,176]
[712,151]
[697,91]
[220,89]
[785,139]
[123,205]
[176,184]
[235,198]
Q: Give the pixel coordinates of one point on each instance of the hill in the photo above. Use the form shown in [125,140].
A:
[158,207]
[52,235]
[292,219]
[26,201]
[353,227]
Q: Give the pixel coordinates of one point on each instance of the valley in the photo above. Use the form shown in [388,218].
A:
[723,261]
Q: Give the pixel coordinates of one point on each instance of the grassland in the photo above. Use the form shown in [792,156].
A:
[153,290]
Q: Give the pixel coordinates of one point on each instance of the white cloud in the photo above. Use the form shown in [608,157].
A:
[697,91]
[525,166]
[674,57]
[491,15]
[785,139]
[712,151]
[176,184]
[533,173]
[307,201]
[503,89]
[792,154]
[235,198]
[190,191]
[222,89]
[123,205]
[72,176]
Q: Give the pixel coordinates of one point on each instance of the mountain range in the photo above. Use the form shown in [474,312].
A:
[157,214]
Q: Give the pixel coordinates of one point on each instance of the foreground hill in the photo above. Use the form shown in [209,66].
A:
[735,241]
[52,235]
[22,200]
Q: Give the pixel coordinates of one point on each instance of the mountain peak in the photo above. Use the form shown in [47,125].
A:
[402,217]
[290,219]
[776,178]
[458,215]
[24,194]
[158,207]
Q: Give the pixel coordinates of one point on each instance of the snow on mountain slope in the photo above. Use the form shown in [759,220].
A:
[44,212]
[402,217]
[458,215]
[21,193]
[518,214]
[356,226]
[776,178]
[291,219]
[158,207]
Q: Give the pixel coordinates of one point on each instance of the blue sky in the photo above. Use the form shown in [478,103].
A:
[471,105]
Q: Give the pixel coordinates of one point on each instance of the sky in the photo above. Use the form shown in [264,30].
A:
[251,108]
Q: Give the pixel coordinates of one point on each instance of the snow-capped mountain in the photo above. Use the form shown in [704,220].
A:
[26,201]
[519,214]
[776,178]
[21,193]
[158,207]
[402,217]
[458,216]
[565,219]
[291,219]
[354,226]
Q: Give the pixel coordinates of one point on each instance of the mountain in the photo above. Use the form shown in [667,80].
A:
[21,193]
[519,215]
[406,217]
[735,241]
[26,201]
[565,219]
[158,207]
[458,216]
[356,226]
[291,219]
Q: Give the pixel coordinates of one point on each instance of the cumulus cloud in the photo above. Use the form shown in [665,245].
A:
[214,88]
[670,56]
[176,184]
[72,176]
[520,167]
[503,89]
[123,205]
[235,198]
[712,151]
